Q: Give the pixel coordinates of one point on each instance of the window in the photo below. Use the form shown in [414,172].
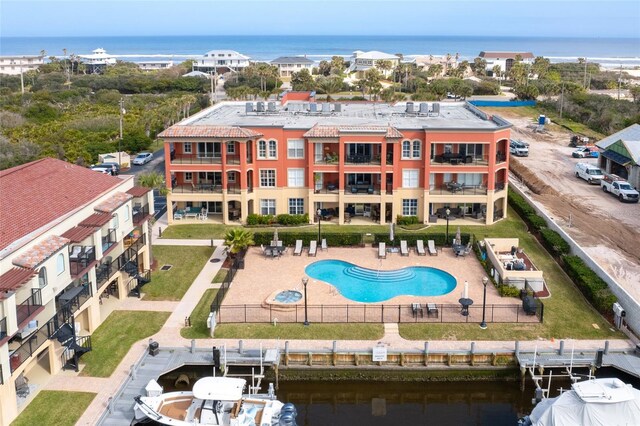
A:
[231,177]
[42,277]
[410,178]
[268,206]
[126,214]
[295,148]
[262,149]
[116,221]
[231,148]
[268,178]
[295,178]
[410,207]
[187,148]
[267,150]
[411,149]
[60,264]
[188,176]
[273,149]
[296,205]
[417,149]
[406,149]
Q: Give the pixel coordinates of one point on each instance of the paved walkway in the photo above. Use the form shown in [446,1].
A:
[169,336]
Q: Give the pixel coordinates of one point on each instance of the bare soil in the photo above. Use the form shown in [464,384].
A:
[606,228]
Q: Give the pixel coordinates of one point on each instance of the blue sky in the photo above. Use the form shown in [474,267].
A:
[548,18]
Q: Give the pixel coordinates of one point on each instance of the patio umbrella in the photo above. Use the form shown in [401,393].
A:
[275,235]
[458,239]
[465,294]
[391,231]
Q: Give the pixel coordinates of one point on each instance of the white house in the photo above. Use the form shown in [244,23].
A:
[222,61]
[363,61]
[98,60]
[14,65]
[504,59]
[287,65]
[154,65]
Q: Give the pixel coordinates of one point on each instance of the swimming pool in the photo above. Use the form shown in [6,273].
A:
[288,296]
[368,285]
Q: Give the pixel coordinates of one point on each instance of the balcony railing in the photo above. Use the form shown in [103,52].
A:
[71,300]
[108,267]
[459,189]
[363,189]
[233,159]
[27,308]
[139,214]
[500,186]
[3,329]
[501,158]
[31,344]
[362,159]
[200,188]
[79,261]
[194,159]
[108,240]
[233,188]
[459,159]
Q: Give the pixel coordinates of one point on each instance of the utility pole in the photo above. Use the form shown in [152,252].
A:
[122,111]
[619,81]
[212,88]
[561,99]
[22,79]
[585,74]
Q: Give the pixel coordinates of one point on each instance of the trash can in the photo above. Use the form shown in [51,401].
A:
[154,348]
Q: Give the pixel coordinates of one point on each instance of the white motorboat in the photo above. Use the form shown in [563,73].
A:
[595,402]
[215,401]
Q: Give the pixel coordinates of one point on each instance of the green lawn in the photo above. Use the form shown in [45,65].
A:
[299,331]
[55,408]
[113,339]
[566,313]
[220,276]
[187,263]
[195,231]
[198,329]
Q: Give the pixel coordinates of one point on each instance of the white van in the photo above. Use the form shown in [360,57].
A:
[589,172]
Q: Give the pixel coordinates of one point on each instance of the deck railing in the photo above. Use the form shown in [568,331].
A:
[25,309]
[3,329]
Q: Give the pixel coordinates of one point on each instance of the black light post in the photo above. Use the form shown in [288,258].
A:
[447,212]
[485,280]
[305,280]
[319,213]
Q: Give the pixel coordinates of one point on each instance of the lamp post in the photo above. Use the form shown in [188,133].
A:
[319,213]
[485,280]
[447,212]
[121,105]
[305,280]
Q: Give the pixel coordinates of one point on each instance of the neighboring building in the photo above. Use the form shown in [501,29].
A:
[154,65]
[363,61]
[221,61]
[122,158]
[505,60]
[287,65]
[196,74]
[376,161]
[14,65]
[621,154]
[69,237]
[98,60]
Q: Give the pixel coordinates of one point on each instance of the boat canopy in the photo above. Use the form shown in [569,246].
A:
[219,388]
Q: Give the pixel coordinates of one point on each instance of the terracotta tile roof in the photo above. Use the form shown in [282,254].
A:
[334,131]
[13,279]
[41,252]
[79,233]
[180,131]
[118,199]
[138,191]
[37,193]
[96,220]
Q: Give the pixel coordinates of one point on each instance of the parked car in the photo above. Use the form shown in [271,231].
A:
[588,172]
[518,148]
[620,188]
[115,167]
[585,152]
[100,169]
[142,158]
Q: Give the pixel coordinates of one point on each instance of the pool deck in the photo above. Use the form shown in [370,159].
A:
[264,277]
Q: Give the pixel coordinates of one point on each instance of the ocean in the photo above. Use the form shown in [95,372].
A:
[610,52]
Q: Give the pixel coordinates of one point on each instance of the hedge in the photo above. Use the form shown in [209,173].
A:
[282,219]
[289,238]
[592,286]
[554,243]
[526,212]
[407,220]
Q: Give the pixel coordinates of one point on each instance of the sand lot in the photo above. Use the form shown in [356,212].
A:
[608,229]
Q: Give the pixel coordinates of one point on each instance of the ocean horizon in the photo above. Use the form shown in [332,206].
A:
[606,51]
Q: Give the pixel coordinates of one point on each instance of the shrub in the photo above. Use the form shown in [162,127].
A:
[554,242]
[289,238]
[536,222]
[292,219]
[590,284]
[407,220]
[259,219]
[520,205]
[508,291]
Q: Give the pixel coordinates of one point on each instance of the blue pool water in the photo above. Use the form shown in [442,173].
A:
[288,296]
[368,285]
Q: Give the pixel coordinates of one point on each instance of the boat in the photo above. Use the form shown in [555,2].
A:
[215,401]
[593,402]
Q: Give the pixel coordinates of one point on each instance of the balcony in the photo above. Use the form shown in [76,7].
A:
[363,189]
[108,267]
[501,158]
[29,308]
[31,344]
[201,188]
[362,160]
[194,159]
[458,159]
[500,186]
[453,188]
[140,214]
[72,298]
[3,328]
[108,240]
[233,188]
[80,258]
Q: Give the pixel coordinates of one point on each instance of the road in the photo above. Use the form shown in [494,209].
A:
[155,165]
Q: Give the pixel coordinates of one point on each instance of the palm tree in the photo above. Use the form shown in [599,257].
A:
[238,239]
[497,71]
[329,85]
[383,65]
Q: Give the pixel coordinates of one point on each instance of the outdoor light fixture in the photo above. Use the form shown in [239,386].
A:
[447,212]
[319,213]
[485,281]
[305,280]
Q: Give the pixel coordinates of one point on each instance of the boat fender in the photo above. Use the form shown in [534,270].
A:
[288,415]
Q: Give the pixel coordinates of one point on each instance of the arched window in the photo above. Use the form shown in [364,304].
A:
[60,264]
[42,277]
[262,149]
[115,221]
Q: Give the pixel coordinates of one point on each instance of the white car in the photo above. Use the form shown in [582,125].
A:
[143,158]
[518,148]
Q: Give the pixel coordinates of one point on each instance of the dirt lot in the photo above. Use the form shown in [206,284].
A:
[608,229]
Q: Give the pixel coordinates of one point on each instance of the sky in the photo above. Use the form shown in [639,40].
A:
[545,18]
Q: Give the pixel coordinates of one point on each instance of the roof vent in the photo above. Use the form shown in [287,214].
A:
[326,108]
[260,107]
[248,107]
[436,108]
[424,108]
[271,107]
[313,107]
[337,107]
[409,109]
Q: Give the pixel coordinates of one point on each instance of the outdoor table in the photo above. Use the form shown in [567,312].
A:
[465,305]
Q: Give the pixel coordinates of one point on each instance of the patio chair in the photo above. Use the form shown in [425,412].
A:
[404,250]
[178,215]
[297,251]
[313,248]
[203,214]
[22,386]
[431,245]
[279,243]
[382,251]
[416,309]
[323,245]
[432,309]
[420,248]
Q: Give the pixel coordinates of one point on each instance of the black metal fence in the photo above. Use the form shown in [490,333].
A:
[238,263]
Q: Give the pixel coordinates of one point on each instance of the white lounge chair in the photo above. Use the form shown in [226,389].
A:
[416,308]
[313,248]
[323,245]
[404,250]
[382,250]
[297,251]
[432,309]
[420,248]
[431,245]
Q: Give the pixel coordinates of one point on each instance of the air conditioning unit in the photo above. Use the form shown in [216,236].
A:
[618,310]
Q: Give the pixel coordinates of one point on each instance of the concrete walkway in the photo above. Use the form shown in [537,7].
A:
[169,336]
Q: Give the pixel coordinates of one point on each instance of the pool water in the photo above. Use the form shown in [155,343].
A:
[288,296]
[369,285]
